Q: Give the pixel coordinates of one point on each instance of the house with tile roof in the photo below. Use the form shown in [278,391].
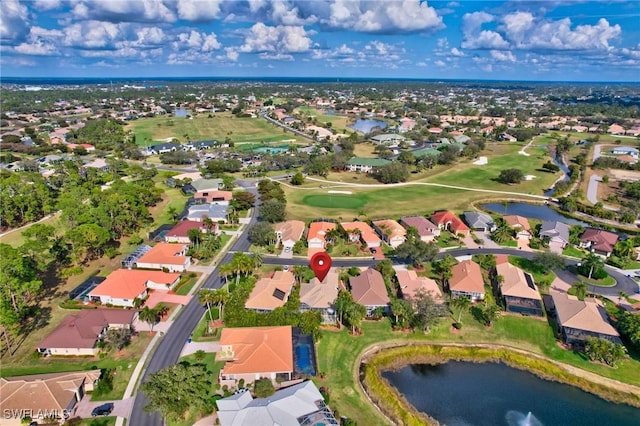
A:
[518,289]
[317,231]
[427,231]
[166,256]
[369,289]
[410,284]
[365,165]
[362,232]
[180,232]
[300,404]
[388,139]
[252,353]
[479,221]
[271,293]
[123,286]
[289,232]
[209,196]
[519,224]
[466,281]
[217,211]
[598,241]
[78,334]
[390,231]
[319,296]
[44,395]
[449,221]
[579,319]
[558,234]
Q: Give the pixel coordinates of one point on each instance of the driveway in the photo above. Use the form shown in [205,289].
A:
[592,189]
[596,151]
[486,239]
[121,407]
[159,296]
[468,242]
[193,347]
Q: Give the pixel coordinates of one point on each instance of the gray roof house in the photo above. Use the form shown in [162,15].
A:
[558,233]
[388,139]
[300,404]
[625,150]
[479,221]
[203,185]
[215,211]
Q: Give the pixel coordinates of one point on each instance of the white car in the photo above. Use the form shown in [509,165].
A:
[287,249]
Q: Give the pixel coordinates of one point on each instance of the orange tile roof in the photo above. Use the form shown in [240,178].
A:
[319,229]
[262,296]
[258,349]
[394,228]
[165,253]
[130,283]
[214,195]
[369,289]
[291,230]
[515,221]
[410,283]
[444,216]
[366,232]
[466,276]
[515,282]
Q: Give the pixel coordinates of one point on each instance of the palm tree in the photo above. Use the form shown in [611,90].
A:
[241,263]
[354,314]
[256,259]
[462,304]
[195,236]
[226,270]
[206,296]
[220,297]
[621,296]
[624,248]
[593,262]
[149,315]
[208,224]
[490,312]
[581,289]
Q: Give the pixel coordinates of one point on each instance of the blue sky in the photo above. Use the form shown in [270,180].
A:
[514,40]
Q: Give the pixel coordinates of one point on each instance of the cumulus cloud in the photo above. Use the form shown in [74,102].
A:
[14,21]
[503,56]
[40,42]
[46,4]
[457,52]
[124,11]
[477,38]
[93,34]
[198,41]
[199,11]
[280,39]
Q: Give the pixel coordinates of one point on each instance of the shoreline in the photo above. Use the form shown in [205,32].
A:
[394,355]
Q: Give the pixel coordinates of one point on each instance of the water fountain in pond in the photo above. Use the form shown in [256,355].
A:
[516,418]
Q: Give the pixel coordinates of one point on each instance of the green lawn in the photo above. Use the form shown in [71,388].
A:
[336,201]
[541,278]
[99,421]
[199,333]
[607,281]
[186,285]
[446,239]
[573,251]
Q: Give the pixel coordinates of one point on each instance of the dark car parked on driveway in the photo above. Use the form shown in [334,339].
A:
[102,410]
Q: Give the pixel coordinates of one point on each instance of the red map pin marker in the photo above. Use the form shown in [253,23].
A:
[320,264]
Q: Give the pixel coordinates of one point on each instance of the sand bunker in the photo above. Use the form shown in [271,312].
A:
[529,177]
[340,192]
[481,161]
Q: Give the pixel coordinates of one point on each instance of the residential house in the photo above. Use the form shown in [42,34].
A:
[199,185]
[366,165]
[558,234]
[300,404]
[98,163]
[209,196]
[252,353]
[616,129]
[180,232]
[320,295]
[388,139]
[216,211]
[361,231]
[123,286]
[579,319]
[507,137]
[78,334]
[479,221]
[598,241]
[520,224]
[163,148]
[317,232]
[290,232]
[44,395]
[426,230]
[171,257]
[411,284]
[626,150]
[449,221]
[271,293]
[520,292]
[369,290]
[390,231]
[466,281]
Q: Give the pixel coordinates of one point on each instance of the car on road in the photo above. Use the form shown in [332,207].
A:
[102,410]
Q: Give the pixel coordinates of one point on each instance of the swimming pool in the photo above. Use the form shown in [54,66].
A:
[304,359]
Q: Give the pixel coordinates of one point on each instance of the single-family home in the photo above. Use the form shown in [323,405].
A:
[518,289]
[271,292]
[479,221]
[449,221]
[300,404]
[289,232]
[171,257]
[361,231]
[320,295]
[410,284]
[507,137]
[123,286]
[519,224]
[558,234]
[98,163]
[317,232]
[390,231]
[626,150]
[598,241]
[466,281]
[216,211]
[579,319]
[78,334]
[616,129]
[198,185]
[388,139]
[427,231]
[365,165]
[163,148]
[252,353]
[180,232]
[209,196]
[42,396]
[369,290]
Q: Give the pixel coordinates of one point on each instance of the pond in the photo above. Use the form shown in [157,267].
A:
[271,150]
[531,211]
[367,125]
[462,393]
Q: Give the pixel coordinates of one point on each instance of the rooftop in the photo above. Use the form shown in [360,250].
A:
[271,293]
[369,289]
[130,283]
[467,276]
[166,253]
[258,349]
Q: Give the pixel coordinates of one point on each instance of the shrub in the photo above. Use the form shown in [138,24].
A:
[263,388]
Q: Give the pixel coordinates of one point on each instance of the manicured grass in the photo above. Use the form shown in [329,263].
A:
[338,122]
[447,240]
[634,264]
[541,278]
[607,281]
[364,150]
[199,333]
[510,243]
[573,251]
[185,287]
[15,238]
[99,421]
[333,201]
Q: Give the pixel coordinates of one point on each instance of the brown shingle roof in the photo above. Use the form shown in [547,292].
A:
[422,225]
[515,221]
[369,289]
[515,282]
[586,314]
[320,295]
[600,240]
[182,228]
[258,349]
[467,276]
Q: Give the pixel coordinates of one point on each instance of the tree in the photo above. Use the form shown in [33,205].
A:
[241,263]
[502,233]
[243,200]
[416,251]
[490,313]
[263,388]
[206,296]
[118,338]
[624,248]
[273,211]
[580,288]
[592,263]
[443,267]
[603,350]
[195,236]
[297,179]
[462,304]
[402,311]
[354,315]
[262,234]
[629,326]
[219,298]
[426,312]
[20,285]
[392,173]
[510,176]
[150,316]
[548,261]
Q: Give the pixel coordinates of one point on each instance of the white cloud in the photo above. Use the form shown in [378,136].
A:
[280,39]
[124,11]
[457,52]
[503,56]
[477,38]
[150,36]
[37,48]
[443,43]
[93,34]
[13,21]
[231,54]
[201,10]
[276,56]
[440,63]
[197,41]
[46,4]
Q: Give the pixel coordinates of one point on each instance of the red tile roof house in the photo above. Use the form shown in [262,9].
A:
[426,230]
[78,334]
[520,293]
[317,231]
[271,293]
[252,353]
[180,232]
[391,232]
[369,290]
[599,241]
[410,284]
[448,220]
[466,281]
[366,233]
[210,196]
[519,224]
[171,257]
[123,286]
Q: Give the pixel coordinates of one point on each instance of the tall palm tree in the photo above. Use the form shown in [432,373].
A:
[581,289]
[220,297]
[226,270]
[593,262]
[256,259]
[149,315]
[462,304]
[206,296]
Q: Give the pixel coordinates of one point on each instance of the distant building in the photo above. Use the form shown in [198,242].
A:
[366,165]
[626,150]
[388,139]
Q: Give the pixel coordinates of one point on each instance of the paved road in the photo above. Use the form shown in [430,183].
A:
[592,189]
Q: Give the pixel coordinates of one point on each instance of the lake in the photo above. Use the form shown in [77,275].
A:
[272,150]
[531,211]
[367,125]
[489,394]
